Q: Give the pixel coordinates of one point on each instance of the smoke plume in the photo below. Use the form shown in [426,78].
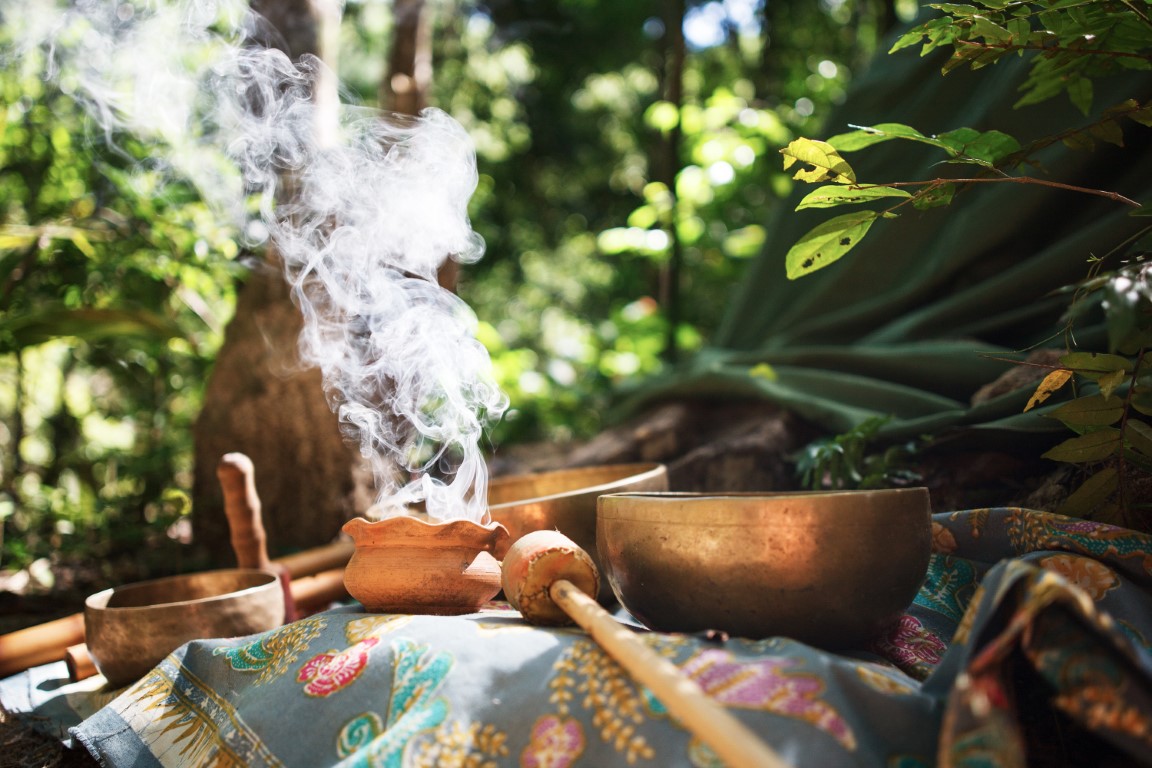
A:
[361,224]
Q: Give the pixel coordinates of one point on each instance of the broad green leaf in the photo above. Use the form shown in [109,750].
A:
[1092,493]
[866,136]
[827,243]
[1094,446]
[1050,383]
[1090,411]
[1095,364]
[934,196]
[826,162]
[1138,436]
[834,194]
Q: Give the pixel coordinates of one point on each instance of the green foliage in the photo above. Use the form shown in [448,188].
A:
[1111,437]
[115,284]
[1071,43]
[844,462]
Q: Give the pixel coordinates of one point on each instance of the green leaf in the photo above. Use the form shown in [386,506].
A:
[1092,493]
[745,242]
[1094,446]
[1095,364]
[866,136]
[987,147]
[1108,131]
[983,27]
[1090,411]
[1080,93]
[1109,382]
[934,196]
[1138,436]
[826,162]
[834,195]
[827,243]
[1141,402]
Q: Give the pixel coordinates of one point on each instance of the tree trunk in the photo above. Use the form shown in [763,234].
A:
[258,400]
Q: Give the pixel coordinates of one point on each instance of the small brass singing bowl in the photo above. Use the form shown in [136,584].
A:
[131,628]
[831,569]
[565,500]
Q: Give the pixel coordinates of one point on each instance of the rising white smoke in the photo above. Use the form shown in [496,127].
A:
[361,224]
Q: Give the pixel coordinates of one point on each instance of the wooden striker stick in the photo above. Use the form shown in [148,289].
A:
[540,569]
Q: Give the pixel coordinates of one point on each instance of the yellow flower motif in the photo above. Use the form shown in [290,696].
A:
[1090,575]
[943,542]
[881,682]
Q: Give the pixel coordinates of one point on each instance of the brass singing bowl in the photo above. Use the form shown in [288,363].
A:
[565,500]
[831,569]
[131,628]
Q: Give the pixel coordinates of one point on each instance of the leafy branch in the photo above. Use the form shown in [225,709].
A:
[991,151]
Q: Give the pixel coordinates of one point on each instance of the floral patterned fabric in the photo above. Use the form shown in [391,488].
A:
[1028,644]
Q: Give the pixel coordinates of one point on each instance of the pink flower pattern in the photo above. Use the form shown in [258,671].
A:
[556,742]
[768,685]
[910,646]
[327,673]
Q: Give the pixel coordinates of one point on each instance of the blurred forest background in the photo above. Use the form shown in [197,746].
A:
[628,156]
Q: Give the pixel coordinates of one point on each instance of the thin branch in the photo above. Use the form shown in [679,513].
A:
[1115,196]
[1010,47]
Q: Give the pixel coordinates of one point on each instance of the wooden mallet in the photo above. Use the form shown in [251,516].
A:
[242,506]
[549,579]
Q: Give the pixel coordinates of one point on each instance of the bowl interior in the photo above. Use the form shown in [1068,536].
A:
[176,590]
[511,490]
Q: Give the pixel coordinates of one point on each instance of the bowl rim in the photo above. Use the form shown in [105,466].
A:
[93,601]
[640,471]
[752,495]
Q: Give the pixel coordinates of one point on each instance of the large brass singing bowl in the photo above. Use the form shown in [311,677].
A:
[831,569]
[565,500]
[130,629]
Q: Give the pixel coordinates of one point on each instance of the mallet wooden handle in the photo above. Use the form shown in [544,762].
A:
[729,738]
[549,579]
[242,506]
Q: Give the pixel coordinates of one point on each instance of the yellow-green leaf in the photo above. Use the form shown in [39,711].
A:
[1051,383]
[1092,494]
[826,162]
[1090,411]
[834,194]
[1110,381]
[1094,446]
[827,242]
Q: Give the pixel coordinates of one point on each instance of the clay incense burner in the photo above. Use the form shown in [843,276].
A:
[405,564]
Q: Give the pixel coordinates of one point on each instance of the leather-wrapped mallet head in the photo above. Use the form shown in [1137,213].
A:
[535,562]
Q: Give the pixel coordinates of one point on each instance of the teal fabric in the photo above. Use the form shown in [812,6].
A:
[1028,643]
[911,322]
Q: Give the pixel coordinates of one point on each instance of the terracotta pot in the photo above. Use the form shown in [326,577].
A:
[406,565]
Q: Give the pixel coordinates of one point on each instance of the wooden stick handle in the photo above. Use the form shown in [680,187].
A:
[242,506]
[33,646]
[729,738]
